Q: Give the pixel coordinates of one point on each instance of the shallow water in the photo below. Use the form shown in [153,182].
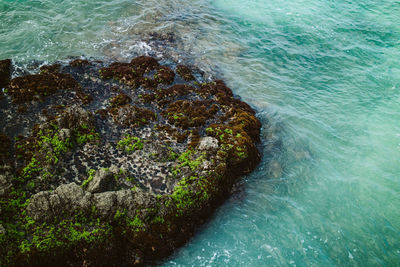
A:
[325,79]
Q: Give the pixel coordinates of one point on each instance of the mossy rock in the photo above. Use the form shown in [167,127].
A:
[115,164]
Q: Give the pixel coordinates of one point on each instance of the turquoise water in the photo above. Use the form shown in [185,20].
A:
[325,79]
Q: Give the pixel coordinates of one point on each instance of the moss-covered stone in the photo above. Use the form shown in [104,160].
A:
[164,75]
[143,64]
[127,184]
[185,114]
[185,72]
[55,68]
[130,115]
[79,63]
[39,86]
[120,100]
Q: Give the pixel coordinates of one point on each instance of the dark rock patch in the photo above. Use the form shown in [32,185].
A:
[5,72]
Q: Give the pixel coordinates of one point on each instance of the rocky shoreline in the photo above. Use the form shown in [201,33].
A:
[115,164]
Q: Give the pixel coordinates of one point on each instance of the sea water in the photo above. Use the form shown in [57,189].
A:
[324,76]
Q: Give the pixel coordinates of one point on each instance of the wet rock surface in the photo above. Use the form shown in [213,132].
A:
[5,72]
[115,164]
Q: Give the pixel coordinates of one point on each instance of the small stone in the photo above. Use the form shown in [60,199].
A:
[73,117]
[275,169]
[208,143]
[39,207]
[102,181]
[65,134]
[114,169]
[2,230]
[106,204]
[73,197]
[4,185]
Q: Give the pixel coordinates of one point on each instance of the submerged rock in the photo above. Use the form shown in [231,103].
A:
[116,164]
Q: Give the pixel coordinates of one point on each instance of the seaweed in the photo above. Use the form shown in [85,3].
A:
[38,86]
[185,72]
[79,63]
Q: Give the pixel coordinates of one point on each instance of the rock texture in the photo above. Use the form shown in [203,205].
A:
[115,164]
[5,72]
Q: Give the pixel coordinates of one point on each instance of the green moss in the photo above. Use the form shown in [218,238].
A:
[130,179]
[136,224]
[130,144]
[86,134]
[25,236]
[45,148]
[158,219]
[171,154]
[182,196]
[228,131]
[59,146]
[31,168]
[189,158]
[63,234]
[189,193]
[120,216]
[90,178]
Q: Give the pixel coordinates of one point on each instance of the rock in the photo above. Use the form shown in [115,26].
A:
[39,86]
[5,72]
[39,207]
[2,230]
[65,134]
[125,200]
[196,139]
[114,169]
[133,200]
[106,204]
[55,201]
[185,72]
[73,197]
[103,180]
[143,199]
[67,198]
[275,169]
[5,147]
[208,143]
[131,115]
[74,117]
[4,185]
